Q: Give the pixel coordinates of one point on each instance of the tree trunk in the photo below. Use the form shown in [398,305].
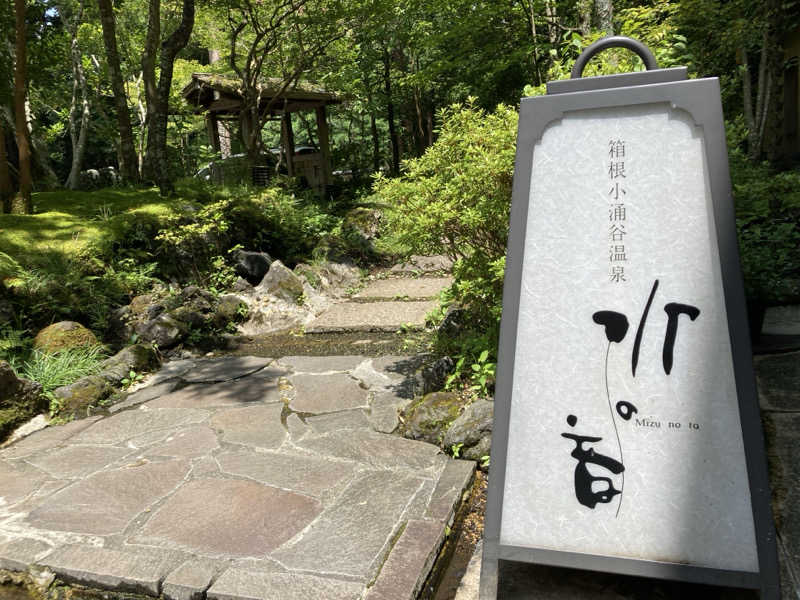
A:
[6,189]
[387,88]
[552,21]
[79,108]
[584,10]
[604,12]
[157,128]
[22,202]
[149,56]
[128,165]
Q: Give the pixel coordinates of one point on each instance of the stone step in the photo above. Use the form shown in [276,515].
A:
[373,316]
[404,288]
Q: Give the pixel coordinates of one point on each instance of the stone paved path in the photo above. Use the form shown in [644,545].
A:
[241,478]
[397,301]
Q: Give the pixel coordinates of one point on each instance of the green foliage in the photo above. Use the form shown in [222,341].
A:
[768,224]
[62,368]
[455,200]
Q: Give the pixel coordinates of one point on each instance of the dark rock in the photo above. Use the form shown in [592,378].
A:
[188,315]
[281,282]
[252,266]
[473,430]
[163,330]
[63,335]
[138,358]
[76,398]
[430,417]
[434,376]
[454,321]
[154,310]
[20,399]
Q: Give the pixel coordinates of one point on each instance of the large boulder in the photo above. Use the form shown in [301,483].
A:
[281,282]
[20,400]
[251,266]
[63,335]
[429,418]
[471,431]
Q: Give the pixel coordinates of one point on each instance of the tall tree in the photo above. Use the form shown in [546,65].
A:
[79,108]
[128,163]
[22,203]
[156,159]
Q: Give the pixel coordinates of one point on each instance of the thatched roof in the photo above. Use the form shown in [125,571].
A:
[221,94]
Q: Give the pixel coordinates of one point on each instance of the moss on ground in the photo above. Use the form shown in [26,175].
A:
[68,222]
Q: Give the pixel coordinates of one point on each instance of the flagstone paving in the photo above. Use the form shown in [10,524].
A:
[237,478]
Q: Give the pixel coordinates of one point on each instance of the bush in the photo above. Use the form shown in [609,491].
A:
[52,370]
[768,227]
[455,200]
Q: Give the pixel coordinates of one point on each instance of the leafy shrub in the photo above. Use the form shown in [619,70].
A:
[768,225]
[455,200]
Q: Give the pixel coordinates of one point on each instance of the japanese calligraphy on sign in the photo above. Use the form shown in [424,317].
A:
[623,395]
[617,213]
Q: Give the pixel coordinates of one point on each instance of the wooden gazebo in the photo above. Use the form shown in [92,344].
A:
[220,98]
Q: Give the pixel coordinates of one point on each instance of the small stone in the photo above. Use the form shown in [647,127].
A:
[429,418]
[164,330]
[434,377]
[19,554]
[138,358]
[280,281]
[189,581]
[242,584]
[76,398]
[111,569]
[411,560]
[63,335]
[473,430]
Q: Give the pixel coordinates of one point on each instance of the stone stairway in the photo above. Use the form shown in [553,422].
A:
[395,299]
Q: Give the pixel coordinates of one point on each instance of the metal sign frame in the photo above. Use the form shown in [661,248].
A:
[700,99]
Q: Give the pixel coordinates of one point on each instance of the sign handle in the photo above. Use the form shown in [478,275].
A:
[616,41]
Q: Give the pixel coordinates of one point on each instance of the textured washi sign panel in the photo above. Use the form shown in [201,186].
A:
[624,434]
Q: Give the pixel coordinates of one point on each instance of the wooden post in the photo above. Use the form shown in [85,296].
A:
[213,131]
[324,144]
[287,140]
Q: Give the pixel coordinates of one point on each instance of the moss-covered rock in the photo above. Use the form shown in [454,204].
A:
[429,418]
[472,430]
[74,399]
[139,358]
[63,335]
[20,400]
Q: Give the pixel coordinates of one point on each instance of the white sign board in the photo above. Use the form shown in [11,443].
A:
[621,270]
[627,435]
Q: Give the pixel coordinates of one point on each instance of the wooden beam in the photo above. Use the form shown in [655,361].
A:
[287,142]
[213,131]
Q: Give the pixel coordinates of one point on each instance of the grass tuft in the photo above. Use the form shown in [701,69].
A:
[62,368]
